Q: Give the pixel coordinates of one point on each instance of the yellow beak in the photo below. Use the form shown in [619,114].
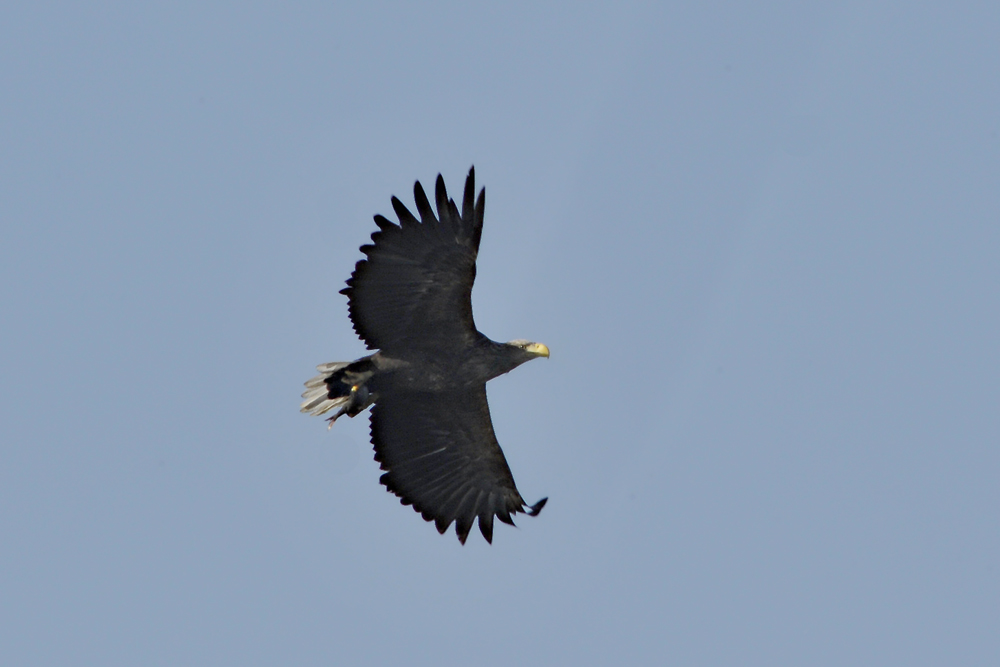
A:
[537,349]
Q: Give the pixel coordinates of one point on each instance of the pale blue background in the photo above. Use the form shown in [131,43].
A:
[762,241]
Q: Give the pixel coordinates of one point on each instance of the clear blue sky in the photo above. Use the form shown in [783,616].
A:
[761,240]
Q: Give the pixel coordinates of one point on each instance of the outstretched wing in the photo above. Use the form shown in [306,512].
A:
[441,455]
[414,289]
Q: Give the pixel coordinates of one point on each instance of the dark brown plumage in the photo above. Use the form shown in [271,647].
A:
[411,299]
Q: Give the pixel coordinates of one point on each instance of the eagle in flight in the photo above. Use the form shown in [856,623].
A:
[410,299]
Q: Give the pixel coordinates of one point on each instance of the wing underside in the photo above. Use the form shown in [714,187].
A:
[414,287]
[441,455]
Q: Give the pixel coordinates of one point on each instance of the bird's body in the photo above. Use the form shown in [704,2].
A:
[410,299]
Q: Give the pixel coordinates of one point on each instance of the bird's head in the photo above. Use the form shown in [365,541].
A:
[530,349]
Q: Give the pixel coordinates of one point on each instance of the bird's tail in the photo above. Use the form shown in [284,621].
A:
[317,394]
[340,384]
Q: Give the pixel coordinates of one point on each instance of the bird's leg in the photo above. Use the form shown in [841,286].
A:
[357,402]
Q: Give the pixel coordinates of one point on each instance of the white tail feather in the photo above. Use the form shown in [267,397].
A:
[316,400]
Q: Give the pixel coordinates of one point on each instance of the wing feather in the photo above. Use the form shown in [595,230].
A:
[440,455]
[413,290]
